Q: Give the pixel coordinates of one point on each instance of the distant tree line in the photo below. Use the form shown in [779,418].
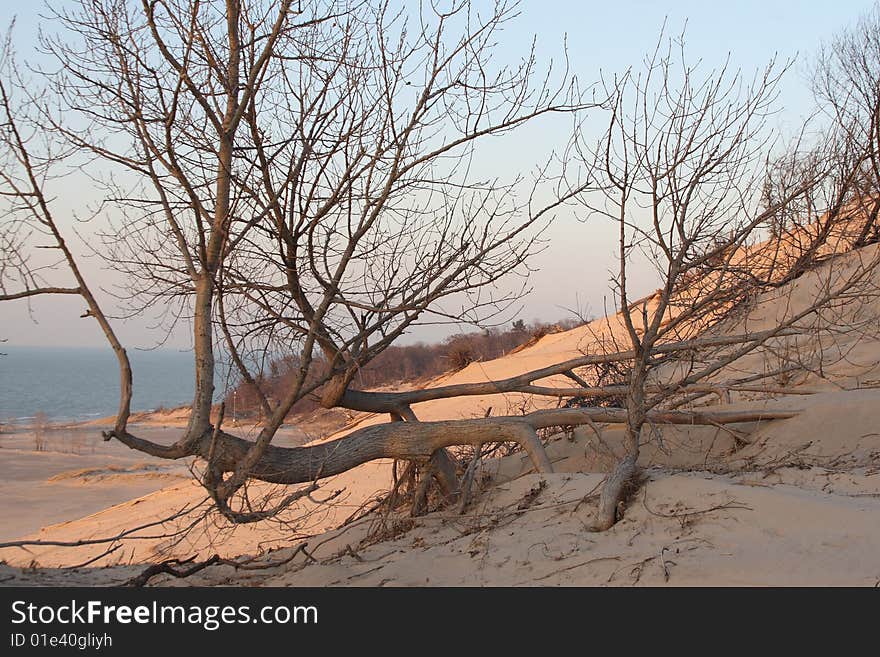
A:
[398,363]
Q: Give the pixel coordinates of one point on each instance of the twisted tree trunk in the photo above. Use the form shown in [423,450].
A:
[414,441]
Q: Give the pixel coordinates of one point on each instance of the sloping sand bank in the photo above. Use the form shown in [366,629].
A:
[792,501]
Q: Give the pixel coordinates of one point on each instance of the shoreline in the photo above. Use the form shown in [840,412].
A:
[27,424]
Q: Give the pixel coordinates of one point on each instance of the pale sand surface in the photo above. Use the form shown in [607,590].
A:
[77,473]
[792,501]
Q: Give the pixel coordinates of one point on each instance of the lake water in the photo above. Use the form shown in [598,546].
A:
[81,384]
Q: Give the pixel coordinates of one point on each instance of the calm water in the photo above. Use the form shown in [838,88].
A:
[78,384]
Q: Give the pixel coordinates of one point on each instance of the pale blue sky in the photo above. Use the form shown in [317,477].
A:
[601,35]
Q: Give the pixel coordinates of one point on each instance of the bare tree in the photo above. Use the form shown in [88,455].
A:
[846,84]
[294,176]
[303,178]
[681,174]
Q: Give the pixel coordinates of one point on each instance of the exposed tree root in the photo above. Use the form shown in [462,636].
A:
[166,568]
[619,482]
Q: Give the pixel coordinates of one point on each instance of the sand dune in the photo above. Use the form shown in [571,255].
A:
[792,501]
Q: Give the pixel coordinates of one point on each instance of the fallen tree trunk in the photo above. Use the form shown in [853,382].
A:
[417,440]
[395,402]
